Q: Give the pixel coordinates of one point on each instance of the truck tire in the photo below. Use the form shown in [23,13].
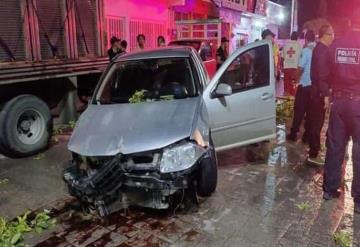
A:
[25,126]
[207,181]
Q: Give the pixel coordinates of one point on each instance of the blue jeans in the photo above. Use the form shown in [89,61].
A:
[344,123]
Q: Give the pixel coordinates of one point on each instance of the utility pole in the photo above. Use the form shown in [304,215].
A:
[294,16]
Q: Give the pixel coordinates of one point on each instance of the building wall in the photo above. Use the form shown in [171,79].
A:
[128,18]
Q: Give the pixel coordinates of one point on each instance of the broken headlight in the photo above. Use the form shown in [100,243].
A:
[180,157]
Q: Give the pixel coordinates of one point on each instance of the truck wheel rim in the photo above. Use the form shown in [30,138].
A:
[30,126]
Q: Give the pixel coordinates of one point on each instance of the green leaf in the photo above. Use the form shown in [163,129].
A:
[4,181]
[137,97]
[16,238]
[72,124]
[342,239]
[38,230]
[304,206]
[40,156]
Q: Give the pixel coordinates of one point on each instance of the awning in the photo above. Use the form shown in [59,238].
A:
[203,7]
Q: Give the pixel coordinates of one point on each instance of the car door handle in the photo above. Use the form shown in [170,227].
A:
[266,96]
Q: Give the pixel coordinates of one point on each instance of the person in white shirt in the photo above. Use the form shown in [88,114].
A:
[291,55]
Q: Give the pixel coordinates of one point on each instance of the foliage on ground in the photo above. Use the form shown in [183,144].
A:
[42,222]
[72,124]
[4,181]
[303,207]
[284,109]
[342,239]
[58,130]
[12,232]
[39,156]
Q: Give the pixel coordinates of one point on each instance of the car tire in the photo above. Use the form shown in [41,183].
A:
[208,174]
[25,126]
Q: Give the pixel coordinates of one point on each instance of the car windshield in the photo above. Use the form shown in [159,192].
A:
[147,80]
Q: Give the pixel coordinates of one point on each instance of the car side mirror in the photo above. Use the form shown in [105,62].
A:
[222,90]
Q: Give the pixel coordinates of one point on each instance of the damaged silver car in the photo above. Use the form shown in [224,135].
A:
[151,129]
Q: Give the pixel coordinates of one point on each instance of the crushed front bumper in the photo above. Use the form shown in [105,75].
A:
[115,186]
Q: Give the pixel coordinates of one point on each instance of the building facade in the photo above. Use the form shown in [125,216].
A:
[128,18]
[241,21]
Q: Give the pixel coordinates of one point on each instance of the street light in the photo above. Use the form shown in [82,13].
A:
[259,24]
[281,16]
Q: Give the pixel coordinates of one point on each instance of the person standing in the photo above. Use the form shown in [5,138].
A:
[267,34]
[161,41]
[345,112]
[115,47]
[203,51]
[291,55]
[140,42]
[302,99]
[320,76]
[123,47]
[222,52]
[232,43]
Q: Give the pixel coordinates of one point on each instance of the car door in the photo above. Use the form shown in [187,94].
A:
[240,98]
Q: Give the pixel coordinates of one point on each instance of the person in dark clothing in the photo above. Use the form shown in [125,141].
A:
[222,52]
[161,41]
[115,47]
[204,52]
[345,112]
[302,99]
[123,47]
[319,103]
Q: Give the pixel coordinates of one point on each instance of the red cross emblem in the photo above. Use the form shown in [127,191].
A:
[291,52]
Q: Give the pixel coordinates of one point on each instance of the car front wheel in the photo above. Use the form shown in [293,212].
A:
[208,174]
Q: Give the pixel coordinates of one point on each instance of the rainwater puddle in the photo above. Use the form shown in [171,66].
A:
[278,155]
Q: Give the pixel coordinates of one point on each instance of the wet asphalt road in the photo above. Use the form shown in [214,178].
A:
[256,204]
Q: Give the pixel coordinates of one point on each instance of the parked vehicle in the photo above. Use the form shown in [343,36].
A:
[51,55]
[206,50]
[154,123]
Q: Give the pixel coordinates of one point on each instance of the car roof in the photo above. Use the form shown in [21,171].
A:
[171,51]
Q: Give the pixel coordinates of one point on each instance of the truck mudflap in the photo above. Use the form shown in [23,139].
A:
[112,187]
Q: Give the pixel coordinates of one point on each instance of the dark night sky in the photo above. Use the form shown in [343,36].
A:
[308,9]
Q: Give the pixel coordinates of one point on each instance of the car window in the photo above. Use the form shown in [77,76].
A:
[249,70]
[150,79]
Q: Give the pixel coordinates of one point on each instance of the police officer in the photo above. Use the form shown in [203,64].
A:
[345,112]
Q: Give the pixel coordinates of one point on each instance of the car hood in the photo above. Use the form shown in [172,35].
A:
[106,130]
